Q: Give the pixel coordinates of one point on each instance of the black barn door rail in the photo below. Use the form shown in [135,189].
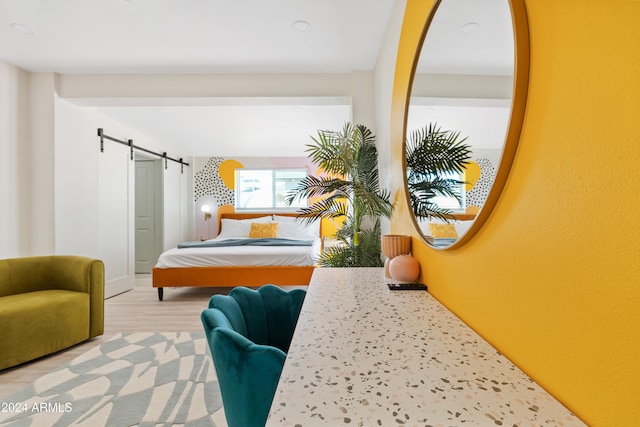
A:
[129,143]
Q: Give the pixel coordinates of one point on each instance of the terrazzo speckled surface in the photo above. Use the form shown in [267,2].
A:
[363,355]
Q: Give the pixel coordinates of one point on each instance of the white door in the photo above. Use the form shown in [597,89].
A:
[115,210]
[148,221]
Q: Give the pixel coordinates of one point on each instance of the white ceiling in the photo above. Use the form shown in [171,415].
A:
[469,37]
[211,36]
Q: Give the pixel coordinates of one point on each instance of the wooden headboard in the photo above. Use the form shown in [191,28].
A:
[464,216]
[246,215]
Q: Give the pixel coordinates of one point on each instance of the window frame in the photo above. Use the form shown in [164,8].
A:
[238,190]
[462,208]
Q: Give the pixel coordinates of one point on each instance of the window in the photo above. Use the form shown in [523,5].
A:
[451,203]
[266,189]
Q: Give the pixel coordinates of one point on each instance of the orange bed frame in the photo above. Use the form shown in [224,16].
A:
[229,276]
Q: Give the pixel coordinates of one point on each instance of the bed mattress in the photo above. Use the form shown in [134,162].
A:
[230,256]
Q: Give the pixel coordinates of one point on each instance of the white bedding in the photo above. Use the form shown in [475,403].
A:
[241,255]
[233,256]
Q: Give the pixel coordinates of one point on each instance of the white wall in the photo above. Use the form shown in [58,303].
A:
[41,126]
[15,192]
[194,89]
[363,102]
[462,86]
[76,182]
[177,205]
[94,192]
[484,127]
[383,83]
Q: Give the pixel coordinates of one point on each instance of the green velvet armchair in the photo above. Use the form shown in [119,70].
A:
[48,303]
[249,332]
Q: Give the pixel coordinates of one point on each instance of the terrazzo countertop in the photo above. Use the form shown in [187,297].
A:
[363,355]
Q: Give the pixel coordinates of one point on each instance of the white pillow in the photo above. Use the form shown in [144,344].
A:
[312,228]
[261,219]
[298,229]
[233,228]
[462,227]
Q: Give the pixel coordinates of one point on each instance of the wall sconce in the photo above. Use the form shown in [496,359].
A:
[207,211]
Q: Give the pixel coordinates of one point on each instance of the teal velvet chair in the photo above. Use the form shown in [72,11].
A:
[249,332]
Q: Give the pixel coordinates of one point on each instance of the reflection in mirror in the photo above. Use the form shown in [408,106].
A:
[463,85]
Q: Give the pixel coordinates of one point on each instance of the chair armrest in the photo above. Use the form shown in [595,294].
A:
[68,272]
[82,274]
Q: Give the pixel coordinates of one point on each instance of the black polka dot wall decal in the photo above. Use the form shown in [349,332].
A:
[479,193]
[207,182]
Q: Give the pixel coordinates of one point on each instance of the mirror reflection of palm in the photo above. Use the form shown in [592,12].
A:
[470,77]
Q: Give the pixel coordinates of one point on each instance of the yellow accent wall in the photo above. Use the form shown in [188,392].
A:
[552,279]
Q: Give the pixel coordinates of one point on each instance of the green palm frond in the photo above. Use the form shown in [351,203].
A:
[347,254]
[328,208]
[422,200]
[437,186]
[431,150]
[373,204]
[312,186]
[370,247]
[337,256]
[351,189]
[431,155]
[337,151]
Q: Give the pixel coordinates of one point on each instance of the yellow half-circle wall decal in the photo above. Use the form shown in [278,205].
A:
[471,175]
[225,209]
[329,226]
[227,170]
[472,210]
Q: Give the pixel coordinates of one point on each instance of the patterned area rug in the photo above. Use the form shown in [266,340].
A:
[137,379]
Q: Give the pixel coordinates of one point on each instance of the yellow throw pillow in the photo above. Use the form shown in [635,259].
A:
[266,229]
[443,231]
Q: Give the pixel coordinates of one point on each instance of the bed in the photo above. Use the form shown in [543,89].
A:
[249,261]
[442,233]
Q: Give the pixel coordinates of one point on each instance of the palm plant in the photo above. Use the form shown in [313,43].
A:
[432,156]
[350,189]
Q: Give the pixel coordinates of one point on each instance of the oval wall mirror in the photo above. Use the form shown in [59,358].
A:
[464,115]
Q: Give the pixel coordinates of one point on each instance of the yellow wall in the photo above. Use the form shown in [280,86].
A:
[553,278]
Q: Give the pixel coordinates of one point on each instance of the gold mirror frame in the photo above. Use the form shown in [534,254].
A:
[520,88]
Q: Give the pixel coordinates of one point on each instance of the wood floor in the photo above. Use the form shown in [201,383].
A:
[133,311]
